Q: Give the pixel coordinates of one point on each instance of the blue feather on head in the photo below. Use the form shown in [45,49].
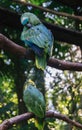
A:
[24,21]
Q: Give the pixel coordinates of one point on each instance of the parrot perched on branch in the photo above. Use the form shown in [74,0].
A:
[36,36]
[35,103]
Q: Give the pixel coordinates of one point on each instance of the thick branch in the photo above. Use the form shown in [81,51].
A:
[49,114]
[64,65]
[60,33]
[65,35]
[15,120]
[63,117]
[79,18]
[20,51]
[71,3]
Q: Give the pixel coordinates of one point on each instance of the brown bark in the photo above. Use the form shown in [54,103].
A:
[26,116]
[79,18]
[20,51]
[60,33]
[71,3]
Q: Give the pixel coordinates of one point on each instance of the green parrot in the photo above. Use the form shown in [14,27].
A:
[35,103]
[36,36]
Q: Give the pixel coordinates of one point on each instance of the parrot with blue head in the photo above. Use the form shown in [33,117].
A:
[36,36]
[35,103]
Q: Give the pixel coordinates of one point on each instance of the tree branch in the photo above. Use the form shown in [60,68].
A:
[79,18]
[13,48]
[73,3]
[64,65]
[15,120]
[26,116]
[60,33]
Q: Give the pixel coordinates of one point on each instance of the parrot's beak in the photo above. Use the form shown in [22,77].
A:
[29,25]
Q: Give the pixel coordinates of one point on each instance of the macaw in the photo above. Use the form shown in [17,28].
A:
[36,36]
[35,103]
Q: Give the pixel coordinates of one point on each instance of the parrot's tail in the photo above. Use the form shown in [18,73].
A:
[39,123]
[41,61]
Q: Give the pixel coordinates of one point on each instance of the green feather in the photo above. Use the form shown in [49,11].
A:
[39,35]
[41,62]
[35,103]
[39,123]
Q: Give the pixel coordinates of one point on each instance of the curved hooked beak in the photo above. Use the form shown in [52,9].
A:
[29,25]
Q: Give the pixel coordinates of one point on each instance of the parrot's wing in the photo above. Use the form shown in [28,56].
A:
[39,51]
[34,101]
[40,36]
